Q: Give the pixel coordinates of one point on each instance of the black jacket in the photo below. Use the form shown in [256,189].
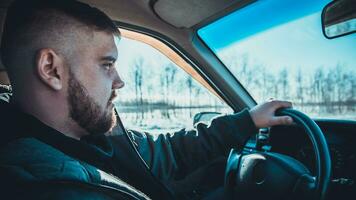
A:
[186,164]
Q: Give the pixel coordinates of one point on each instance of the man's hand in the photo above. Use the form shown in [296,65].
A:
[263,115]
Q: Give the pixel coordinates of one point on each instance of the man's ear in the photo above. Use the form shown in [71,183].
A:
[50,68]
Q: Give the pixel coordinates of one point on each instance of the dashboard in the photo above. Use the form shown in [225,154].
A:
[341,139]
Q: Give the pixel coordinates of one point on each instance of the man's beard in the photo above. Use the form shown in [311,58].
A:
[85,111]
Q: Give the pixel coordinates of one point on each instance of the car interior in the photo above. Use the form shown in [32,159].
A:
[322,148]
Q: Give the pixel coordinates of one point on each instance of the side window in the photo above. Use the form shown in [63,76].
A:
[160,95]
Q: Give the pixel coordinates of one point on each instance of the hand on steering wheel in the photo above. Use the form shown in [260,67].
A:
[263,115]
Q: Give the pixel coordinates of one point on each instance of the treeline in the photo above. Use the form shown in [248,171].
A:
[322,90]
[165,85]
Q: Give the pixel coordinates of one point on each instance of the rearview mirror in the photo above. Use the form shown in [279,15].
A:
[339,18]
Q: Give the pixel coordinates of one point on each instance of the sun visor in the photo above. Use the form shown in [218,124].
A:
[187,13]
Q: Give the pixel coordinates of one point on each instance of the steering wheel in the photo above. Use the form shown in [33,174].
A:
[271,175]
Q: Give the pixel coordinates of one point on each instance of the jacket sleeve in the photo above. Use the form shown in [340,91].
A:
[173,156]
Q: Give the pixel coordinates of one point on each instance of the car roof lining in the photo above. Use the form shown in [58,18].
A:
[164,16]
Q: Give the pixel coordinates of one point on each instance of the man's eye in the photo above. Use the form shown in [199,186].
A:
[108,66]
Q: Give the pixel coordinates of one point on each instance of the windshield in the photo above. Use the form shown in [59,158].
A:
[277,49]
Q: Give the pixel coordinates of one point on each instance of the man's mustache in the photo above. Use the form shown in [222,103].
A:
[113,96]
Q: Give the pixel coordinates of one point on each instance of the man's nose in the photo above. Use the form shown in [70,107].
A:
[117,83]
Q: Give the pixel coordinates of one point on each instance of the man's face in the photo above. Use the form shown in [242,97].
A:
[92,82]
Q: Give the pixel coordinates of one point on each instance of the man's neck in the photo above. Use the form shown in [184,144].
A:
[53,116]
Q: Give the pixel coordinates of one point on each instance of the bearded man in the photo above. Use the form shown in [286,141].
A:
[60,57]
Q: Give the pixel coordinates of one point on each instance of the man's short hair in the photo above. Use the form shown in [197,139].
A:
[26,18]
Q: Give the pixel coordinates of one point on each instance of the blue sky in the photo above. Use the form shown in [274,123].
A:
[255,18]
[296,44]
[290,37]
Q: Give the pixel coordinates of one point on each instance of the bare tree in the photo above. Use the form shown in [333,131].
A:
[189,82]
[284,82]
[300,87]
[138,73]
[167,80]
[318,84]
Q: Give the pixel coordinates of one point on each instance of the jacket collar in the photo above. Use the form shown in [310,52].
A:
[14,124]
